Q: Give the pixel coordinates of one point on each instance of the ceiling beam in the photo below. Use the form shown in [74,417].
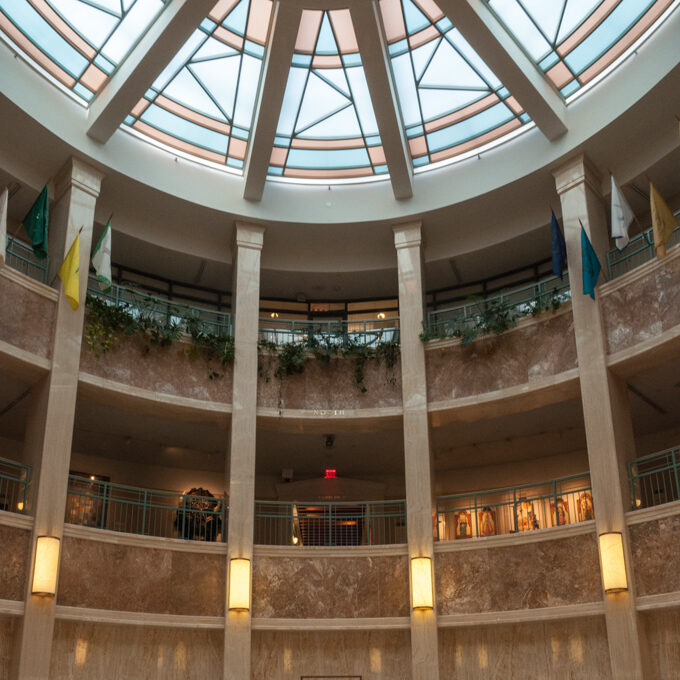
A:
[506,59]
[284,30]
[374,57]
[152,54]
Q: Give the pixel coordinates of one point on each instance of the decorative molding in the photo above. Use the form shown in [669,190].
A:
[65,613]
[639,272]
[651,514]
[12,607]
[311,552]
[12,519]
[28,283]
[25,359]
[644,603]
[386,623]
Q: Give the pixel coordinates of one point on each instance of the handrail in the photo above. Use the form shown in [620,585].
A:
[14,481]
[655,478]
[323,523]
[220,323]
[370,332]
[149,512]
[19,256]
[515,509]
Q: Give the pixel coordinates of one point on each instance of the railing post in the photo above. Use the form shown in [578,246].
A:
[675,474]
[514,508]
[631,477]
[143,531]
[104,501]
[557,514]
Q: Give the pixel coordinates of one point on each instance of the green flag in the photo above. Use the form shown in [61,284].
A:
[590,264]
[35,224]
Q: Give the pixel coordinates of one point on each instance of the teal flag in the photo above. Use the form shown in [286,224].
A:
[590,263]
[35,224]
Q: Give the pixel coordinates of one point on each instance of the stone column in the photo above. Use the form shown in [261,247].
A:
[606,410]
[417,461]
[241,479]
[48,446]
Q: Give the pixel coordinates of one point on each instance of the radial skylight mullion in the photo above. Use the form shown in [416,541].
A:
[417,80]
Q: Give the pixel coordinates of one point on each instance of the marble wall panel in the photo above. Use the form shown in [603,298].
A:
[371,655]
[26,318]
[573,649]
[329,386]
[655,546]
[663,643]
[500,361]
[525,576]
[643,309]
[127,578]
[168,370]
[8,629]
[14,557]
[330,587]
[84,651]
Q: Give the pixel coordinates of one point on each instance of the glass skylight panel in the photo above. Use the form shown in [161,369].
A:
[327,127]
[450,101]
[573,41]
[78,42]
[202,103]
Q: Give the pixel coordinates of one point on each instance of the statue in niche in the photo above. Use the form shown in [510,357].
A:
[584,506]
[487,522]
[462,524]
[199,516]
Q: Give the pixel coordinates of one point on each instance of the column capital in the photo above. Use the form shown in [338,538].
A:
[408,235]
[248,235]
[577,170]
[76,172]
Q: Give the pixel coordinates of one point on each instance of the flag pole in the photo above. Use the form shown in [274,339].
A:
[71,246]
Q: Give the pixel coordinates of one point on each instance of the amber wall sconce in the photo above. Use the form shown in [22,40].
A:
[422,595]
[613,563]
[239,585]
[46,566]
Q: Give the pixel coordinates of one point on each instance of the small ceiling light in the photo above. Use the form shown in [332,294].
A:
[613,563]
[239,585]
[274,315]
[421,583]
[46,566]
[381,315]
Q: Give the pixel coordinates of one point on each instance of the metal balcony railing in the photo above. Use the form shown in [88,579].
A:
[14,479]
[654,478]
[19,256]
[369,332]
[517,509]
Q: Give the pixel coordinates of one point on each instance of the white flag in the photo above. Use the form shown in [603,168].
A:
[622,216]
[101,258]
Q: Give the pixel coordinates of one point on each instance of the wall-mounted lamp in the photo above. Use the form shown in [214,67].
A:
[46,566]
[613,563]
[381,315]
[239,585]
[421,583]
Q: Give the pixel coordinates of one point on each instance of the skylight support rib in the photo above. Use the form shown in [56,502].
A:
[284,29]
[517,72]
[136,74]
[374,57]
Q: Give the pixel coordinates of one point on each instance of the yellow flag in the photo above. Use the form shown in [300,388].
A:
[68,273]
[663,220]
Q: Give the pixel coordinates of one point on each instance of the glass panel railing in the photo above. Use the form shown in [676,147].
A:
[330,524]
[567,500]
[14,479]
[19,256]
[337,333]
[654,478]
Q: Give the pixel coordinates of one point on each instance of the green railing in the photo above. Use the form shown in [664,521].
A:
[330,524]
[525,301]
[143,304]
[133,510]
[654,478]
[370,332]
[557,502]
[19,256]
[14,479]
[639,250]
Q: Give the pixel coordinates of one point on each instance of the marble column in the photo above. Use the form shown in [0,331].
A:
[48,446]
[417,459]
[606,410]
[241,479]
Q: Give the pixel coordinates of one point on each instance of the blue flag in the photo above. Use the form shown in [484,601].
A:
[559,248]
[590,264]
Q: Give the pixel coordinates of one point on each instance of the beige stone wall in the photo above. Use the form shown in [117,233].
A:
[14,549]
[128,578]
[330,587]
[661,628]
[371,655]
[655,547]
[8,629]
[84,651]
[573,649]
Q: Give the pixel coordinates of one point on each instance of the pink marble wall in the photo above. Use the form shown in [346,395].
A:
[655,546]
[26,318]
[644,308]
[14,554]
[169,370]
[8,629]
[663,643]
[120,577]
[525,576]
[330,587]
[85,651]
[499,361]
[574,649]
[370,655]
[329,386]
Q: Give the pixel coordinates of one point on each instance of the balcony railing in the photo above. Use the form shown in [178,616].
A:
[525,301]
[370,332]
[330,524]
[149,512]
[19,256]
[14,479]
[639,250]
[530,507]
[139,303]
[654,478]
